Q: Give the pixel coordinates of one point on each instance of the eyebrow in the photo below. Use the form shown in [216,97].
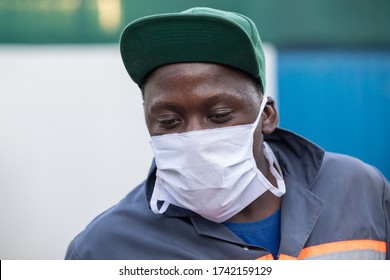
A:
[166,105]
[209,102]
[222,96]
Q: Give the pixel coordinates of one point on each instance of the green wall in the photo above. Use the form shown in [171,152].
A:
[340,23]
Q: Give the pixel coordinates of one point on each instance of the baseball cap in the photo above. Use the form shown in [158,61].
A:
[196,35]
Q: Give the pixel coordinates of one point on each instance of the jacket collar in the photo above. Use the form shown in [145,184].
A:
[300,211]
[300,161]
[296,155]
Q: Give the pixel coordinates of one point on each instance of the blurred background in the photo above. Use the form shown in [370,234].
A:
[72,137]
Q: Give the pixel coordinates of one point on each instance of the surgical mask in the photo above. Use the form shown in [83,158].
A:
[211,172]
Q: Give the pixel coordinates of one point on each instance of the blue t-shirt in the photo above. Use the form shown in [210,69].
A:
[264,233]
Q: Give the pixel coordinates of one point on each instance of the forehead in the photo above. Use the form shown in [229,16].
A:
[197,78]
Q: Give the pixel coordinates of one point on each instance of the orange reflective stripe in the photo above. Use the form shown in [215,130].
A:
[267,257]
[343,246]
[286,257]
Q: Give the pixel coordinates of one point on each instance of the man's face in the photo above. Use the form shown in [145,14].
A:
[194,96]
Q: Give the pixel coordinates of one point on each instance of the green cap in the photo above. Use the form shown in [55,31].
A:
[194,35]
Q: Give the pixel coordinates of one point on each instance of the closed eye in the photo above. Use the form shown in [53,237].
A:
[168,122]
[221,116]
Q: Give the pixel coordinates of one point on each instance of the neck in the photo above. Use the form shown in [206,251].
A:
[262,207]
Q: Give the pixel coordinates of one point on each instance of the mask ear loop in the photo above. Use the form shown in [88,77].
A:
[154,201]
[262,106]
[269,155]
[276,172]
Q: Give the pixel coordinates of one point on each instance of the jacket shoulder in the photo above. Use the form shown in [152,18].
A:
[348,167]
[349,180]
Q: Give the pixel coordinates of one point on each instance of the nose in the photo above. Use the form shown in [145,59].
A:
[195,123]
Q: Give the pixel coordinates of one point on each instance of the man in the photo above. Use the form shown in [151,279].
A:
[226,183]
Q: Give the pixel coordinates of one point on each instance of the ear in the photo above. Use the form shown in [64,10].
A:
[270,117]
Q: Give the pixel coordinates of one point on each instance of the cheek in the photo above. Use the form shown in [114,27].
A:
[257,142]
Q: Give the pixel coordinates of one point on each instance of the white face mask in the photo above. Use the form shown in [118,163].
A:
[211,172]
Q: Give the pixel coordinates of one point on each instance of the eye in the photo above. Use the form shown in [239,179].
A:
[168,122]
[221,116]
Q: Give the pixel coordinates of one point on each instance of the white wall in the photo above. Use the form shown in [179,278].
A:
[72,142]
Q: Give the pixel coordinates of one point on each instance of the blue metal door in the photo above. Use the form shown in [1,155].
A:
[339,99]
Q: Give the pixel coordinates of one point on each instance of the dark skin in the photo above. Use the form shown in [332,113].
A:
[194,96]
